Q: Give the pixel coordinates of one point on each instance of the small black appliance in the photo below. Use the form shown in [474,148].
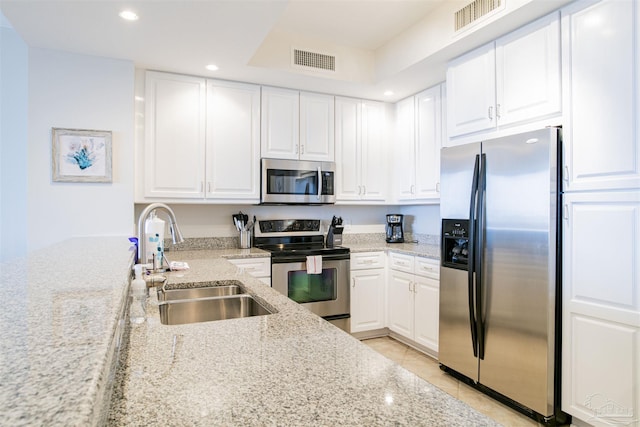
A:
[334,235]
[395,233]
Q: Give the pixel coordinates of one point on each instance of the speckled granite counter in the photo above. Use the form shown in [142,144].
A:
[60,322]
[423,250]
[290,368]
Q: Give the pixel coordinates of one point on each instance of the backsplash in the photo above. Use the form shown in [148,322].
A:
[212,243]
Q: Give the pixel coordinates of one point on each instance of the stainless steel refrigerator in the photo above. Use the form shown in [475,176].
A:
[500,276]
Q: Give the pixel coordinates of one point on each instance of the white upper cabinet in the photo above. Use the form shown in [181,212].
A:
[361,159]
[515,79]
[317,130]
[601,57]
[233,141]
[201,139]
[280,123]
[175,115]
[417,147]
[471,91]
[297,125]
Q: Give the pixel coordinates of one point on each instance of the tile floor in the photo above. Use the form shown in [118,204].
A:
[428,369]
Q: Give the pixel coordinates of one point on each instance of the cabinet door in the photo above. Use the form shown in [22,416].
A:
[317,127]
[602,93]
[280,123]
[404,155]
[428,143]
[233,141]
[471,92]
[400,303]
[374,152]
[427,309]
[528,72]
[348,138]
[174,145]
[367,300]
[601,307]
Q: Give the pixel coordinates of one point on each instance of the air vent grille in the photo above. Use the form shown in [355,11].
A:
[315,60]
[474,11]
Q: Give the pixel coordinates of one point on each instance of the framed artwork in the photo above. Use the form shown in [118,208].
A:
[81,155]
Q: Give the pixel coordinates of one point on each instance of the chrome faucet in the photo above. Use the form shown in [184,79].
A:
[176,236]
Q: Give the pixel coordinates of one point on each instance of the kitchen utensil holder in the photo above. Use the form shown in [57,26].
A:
[245,239]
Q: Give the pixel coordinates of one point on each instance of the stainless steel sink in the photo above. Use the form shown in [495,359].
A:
[178,312]
[211,290]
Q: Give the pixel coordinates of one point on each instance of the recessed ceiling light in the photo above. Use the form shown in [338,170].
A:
[212,67]
[128,15]
[388,92]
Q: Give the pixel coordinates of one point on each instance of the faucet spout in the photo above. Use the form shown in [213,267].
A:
[176,236]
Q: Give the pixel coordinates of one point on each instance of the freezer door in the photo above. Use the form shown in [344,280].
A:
[455,345]
[456,175]
[519,268]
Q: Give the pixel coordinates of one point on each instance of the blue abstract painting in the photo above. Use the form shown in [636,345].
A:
[82,155]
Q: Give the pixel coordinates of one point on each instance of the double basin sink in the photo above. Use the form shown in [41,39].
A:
[213,301]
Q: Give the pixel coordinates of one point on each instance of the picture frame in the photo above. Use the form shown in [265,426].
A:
[81,155]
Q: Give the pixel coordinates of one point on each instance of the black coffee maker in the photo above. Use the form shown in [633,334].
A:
[395,234]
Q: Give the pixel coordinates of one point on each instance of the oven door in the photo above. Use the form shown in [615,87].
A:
[297,182]
[326,294]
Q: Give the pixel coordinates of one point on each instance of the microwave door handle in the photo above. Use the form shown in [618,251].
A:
[319,182]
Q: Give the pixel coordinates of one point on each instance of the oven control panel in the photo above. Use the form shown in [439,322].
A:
[309,226]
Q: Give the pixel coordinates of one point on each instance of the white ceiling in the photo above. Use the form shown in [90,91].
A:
[380,42]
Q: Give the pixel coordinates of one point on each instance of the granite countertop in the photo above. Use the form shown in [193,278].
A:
[290,368]
[60,317]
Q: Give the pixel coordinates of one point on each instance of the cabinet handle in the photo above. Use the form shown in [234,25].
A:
[498,112]
[437,187]
[566,212]
[302,149]
[354,282]
[208,187]
[368,261]
[413,189]
[297,149]
[566,173]
[364,189]
[359,190]
[201,186]
[490,113]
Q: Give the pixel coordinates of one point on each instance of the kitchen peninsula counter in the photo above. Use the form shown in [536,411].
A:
[290,368]
[63,326]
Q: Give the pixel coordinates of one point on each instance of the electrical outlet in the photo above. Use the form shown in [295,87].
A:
[346,223]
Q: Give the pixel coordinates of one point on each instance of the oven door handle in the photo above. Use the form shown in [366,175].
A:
[284,259]
[319,182]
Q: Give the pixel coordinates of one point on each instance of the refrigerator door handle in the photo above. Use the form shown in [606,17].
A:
[471,257]
[480,229]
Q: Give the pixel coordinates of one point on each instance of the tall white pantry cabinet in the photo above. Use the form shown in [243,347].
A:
[601,212]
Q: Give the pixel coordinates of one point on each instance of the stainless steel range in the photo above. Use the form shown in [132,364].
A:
[319,284]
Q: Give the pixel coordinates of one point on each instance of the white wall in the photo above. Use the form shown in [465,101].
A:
[13,142]
[68,90]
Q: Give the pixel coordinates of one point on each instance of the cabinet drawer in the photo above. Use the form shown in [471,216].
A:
[367,260]
[257,267]
[427,267]
[401,262]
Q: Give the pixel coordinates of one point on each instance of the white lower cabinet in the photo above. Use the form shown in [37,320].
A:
[601,308]
[413,299]
[367,291]
[259,268]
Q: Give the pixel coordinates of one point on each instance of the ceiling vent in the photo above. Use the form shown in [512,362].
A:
[474,11]
[317,61]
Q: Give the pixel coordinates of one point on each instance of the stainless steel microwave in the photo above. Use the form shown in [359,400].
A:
[297,182]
